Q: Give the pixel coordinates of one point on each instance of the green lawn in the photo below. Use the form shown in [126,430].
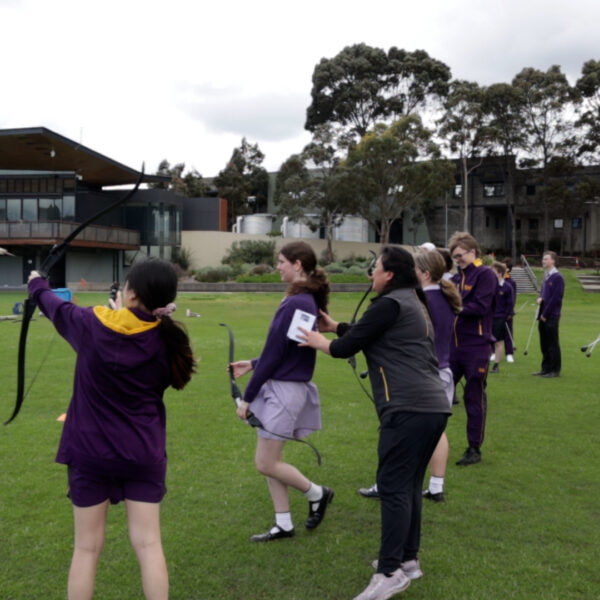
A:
[523,524]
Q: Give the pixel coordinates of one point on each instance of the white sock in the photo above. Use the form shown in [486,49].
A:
[283,521]
[314,492]
[436,484]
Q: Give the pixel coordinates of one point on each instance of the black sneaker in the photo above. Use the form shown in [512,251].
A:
[495,368]
[269,536]
[470,457]
[315,516]
[439,497]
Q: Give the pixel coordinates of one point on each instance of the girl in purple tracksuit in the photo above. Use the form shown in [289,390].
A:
[471,342]
[114,437]
[280,392]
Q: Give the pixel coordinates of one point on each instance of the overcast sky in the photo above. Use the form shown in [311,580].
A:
[143,80]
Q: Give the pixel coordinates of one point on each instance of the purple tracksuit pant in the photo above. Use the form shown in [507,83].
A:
[471,362]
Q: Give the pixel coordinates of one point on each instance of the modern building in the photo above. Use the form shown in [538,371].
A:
[49,184]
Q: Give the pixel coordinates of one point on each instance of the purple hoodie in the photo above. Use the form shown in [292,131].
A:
[116,421]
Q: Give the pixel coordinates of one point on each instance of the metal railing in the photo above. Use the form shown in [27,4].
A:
[58,230]
[530,274]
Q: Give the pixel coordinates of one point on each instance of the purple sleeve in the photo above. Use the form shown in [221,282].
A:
[273,352]
[510,302]
[66,316]
[553,296]
[479,301]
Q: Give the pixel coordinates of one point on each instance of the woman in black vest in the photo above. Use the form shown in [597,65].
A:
[396,336]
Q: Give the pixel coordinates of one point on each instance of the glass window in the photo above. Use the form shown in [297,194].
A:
[533,223]
[458,191]
[50,209]
[493,190]
[558,223]
[576,223]
[530,190]
[13,209]
[2,209]
[30,209]
[68,206]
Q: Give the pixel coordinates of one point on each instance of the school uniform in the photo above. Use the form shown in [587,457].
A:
[115,431]
[503,310]
[471,343]
[553,288]
[508,340]
[280,390]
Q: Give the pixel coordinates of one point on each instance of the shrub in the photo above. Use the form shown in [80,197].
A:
[335,267]
[182,257]
[261,270]
[215,274]
[251,251]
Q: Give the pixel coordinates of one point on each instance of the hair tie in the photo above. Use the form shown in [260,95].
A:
[164,311]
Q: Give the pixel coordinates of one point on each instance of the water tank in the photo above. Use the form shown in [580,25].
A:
[299,229]
[352,229]
[260,223]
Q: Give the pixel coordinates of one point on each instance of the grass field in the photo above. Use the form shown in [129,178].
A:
[523,524]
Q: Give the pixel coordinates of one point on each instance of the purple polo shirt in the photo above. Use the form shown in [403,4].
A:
[477,286]
[281,357]
[443,319]
[116,421]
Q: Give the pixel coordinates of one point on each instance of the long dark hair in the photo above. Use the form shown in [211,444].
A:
[316,282]
[155,283]
[402,265]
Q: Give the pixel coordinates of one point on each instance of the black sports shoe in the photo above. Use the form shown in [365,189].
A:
[495,368]
[470,457]
[273,535]
[551,374]
[315,516]
[439,497]
[369,492]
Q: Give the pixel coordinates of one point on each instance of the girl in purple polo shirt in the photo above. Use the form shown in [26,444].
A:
[444,304]
[281,394]
[114,436]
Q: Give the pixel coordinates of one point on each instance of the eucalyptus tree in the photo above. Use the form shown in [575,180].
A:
[384,172]
[244,183]
[547,100]
[309,183]
[588,86]
[191,185]
[462,129]
[362,86]
[502,105]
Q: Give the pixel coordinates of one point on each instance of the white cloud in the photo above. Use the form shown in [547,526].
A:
[146,80]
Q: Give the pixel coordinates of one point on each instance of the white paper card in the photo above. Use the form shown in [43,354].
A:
[300,319]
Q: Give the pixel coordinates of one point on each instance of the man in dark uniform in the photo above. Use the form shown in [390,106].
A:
[550,301]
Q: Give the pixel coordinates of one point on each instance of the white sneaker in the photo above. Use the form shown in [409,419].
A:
[492,358]
[411,568]
[510,358]
[381,587]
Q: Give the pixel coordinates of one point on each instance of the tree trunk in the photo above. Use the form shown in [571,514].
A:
[465,190]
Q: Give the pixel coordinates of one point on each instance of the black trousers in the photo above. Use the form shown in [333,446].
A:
[406,442]
[550,346]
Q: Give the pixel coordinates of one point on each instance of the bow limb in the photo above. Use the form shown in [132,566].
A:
[352,359]
[56,253]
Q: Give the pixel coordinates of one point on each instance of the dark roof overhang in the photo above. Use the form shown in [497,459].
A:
[40,149]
